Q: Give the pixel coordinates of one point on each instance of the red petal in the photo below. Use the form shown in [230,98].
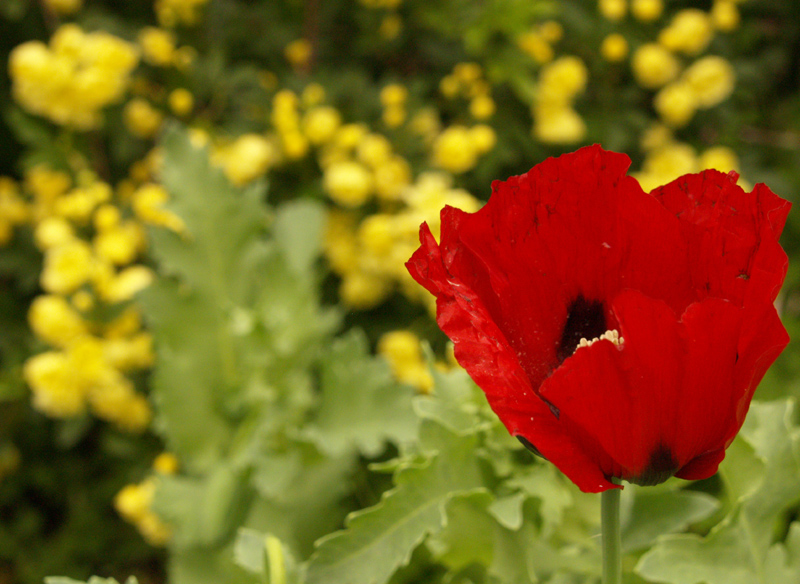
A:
[666,394]
[481,348]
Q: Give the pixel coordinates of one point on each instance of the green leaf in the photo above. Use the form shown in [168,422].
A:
[648,514]
[266,556]
[739,550]
[298,231]
[380,539]
[361,407]
[544,483]
[452,402]
[92,580]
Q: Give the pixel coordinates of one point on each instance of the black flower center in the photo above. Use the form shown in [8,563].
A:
[661,466]
[586,319]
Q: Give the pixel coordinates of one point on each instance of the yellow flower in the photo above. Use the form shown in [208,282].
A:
[125,285]
[119,403]
[52,232]
[64,7]
[133,501]
[181,101]
[453,150]
[142,119]
[70,81]
[563,79]
[535,46]
[467,73]
[54,321]
[362,290]
[298,53]
[676,104]
[449,86]
[613,9]
[173,12]
[158,46]
[394,116]
[557,124]
[551,31]
[313,94]
[121,244]
[247,158]
[647,10]
[52,379]
[390,27]
[148,202]
[348,183]
[483,138]
[712,80]
[689,32]
[654,66]
[393,95]
[403,352]
[614,48]
[341,245]
[482,107]
[719,158]
[374,149]
[67,267]
[320,124]
[725,15]
[166,463]
[391,177]
[667,163]
[129,353]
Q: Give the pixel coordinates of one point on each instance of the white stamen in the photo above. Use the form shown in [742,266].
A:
[612,335]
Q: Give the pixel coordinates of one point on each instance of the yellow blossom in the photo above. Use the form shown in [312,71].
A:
[393,95]
[390,27]
[403,352]
[64,7]
[121,244]
[725,15]
[449,86]
[482,107]
[54,321]
[391,177]
[349,136]
[173,12]
[562,79]
[362,290]
[647,10]
[79,203]
[118,402]
[125,285]
[56,392]
[375,234]
[654,66]
[712,80]
[676,103]
[719,158]
[70,81]
[454,151]
[374,149]
[613,9]
[141,118]
[551,31]
[348,183]
[313,94]
[320,124]
[483,138]
[665,164]
[66,267]
[52,232]
[128,353]
[148,202]
[166,463]
[535,46]
[394,116]
[467,73]
[298,53]
[341,245]
[184,58]
[158,46]
[246,158]
[689,32]
[181,101]
[614,48]
[655,136]
[557,124]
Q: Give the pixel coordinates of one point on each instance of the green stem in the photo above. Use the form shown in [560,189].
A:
[612,539]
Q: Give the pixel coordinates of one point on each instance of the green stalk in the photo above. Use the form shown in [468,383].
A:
[612,539]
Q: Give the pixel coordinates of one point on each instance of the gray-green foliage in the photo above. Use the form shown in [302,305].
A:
[285,413]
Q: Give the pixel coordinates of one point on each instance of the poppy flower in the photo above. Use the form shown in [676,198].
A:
[621,334]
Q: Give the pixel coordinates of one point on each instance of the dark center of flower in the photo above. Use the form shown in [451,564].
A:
[662,465]
[586,319]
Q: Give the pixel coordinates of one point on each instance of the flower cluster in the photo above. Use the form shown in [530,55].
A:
[74,78]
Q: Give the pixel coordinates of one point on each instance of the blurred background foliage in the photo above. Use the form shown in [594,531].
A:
[211,353]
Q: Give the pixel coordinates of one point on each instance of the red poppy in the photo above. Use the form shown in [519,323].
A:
[677,287]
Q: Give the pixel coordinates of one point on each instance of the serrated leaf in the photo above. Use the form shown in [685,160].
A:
[361,406]
[783,560]
[378,540]
[451,403]
[544,483]
[737,550]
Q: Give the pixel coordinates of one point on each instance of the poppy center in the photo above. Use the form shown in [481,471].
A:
[660,467]
[586,319]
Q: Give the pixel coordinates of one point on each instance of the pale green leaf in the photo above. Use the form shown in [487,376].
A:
[298,231]
[361,407]
[380,539]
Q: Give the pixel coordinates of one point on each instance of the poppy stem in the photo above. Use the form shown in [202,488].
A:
[611,534]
